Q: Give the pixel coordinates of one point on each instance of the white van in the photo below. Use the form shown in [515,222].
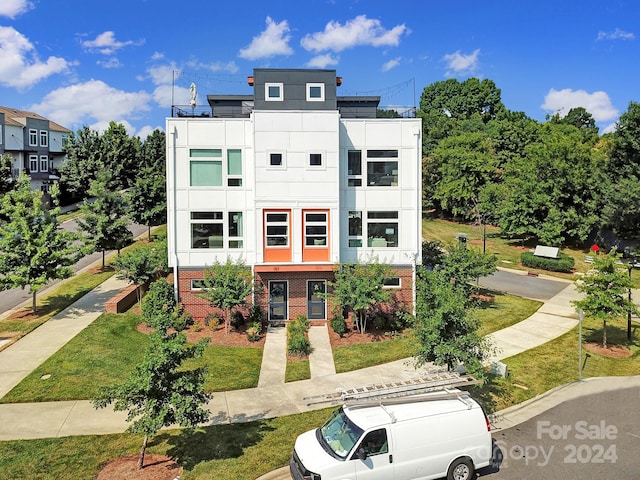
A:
[420,437]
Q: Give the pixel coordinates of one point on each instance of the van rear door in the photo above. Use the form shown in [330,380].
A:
[377,463]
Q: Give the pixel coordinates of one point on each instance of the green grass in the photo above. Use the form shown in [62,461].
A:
[223,452]
[364,355]
[107,351]
[297,369]
[505,311]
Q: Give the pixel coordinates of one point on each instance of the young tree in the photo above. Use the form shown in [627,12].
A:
[445,327]
[33,247]
[147,199]
[161,392]
[141,265]
[227,285]
[464,265]
[605,287]
[7,182]
[359,287]
[104,220]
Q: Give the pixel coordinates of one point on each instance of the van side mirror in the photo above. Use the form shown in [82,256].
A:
[362,455]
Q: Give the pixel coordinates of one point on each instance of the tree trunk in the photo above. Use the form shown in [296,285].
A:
[227,323]
[139,294]
[604,334]
[33,303]
[142,452]
[103,254]
[149,231]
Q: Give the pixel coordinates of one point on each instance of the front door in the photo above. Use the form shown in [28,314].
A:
[278,300]
[316,302]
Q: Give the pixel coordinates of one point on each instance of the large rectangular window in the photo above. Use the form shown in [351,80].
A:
[277,229]
[354,166]
[234,168]
[207,230]
[44,163]
[382,229]
[315,229]
[381,171]
[33,137]
[33,163]
[205,167]
[44,138]
[355,228]
[235,230]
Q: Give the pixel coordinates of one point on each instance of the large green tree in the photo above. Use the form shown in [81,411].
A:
[622,206]
[227,286]
[359,287]
[147,199]
[34,249]
[7,182]
[552,194]
[445,327]
[161,391]
[83,161]
[464,265]
[142,265]
[121,154]
[104,220]
[605,287]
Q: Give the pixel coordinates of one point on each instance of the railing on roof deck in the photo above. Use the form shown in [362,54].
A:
[187,111]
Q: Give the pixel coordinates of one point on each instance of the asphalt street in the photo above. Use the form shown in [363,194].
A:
[588,438]
[523,285]
[12,298]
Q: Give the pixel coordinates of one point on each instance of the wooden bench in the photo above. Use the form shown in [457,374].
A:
[124,300]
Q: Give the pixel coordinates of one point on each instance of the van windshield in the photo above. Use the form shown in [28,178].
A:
[339,434]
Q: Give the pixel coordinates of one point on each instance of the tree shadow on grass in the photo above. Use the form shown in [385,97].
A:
[214,443]
[616,334]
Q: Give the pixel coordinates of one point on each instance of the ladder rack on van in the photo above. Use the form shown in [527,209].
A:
[442,382]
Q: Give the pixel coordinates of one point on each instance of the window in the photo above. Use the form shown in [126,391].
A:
[206,230]
[375,443]
[33,163]
[197,284]
[315,92]
[273,92]
[355,229]
[380,171]
[315,229]
[205,167]
[44,138]
[44,163]
[382,229]
[354,166]
[33,137]
[235,230]
[315,159]
[275,160]
[391,283]
[234,168]
[277,225]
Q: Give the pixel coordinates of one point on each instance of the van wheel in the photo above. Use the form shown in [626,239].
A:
[461,469]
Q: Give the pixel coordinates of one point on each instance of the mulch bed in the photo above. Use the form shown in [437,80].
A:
[156,467]
[237,337]
[612,351]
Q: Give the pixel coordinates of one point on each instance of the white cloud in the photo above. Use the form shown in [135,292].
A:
[20,66]
[162,74]
[598,104]
[609,128]
[360,31]
[92,101]
[107,44]
[274,40]
[617,34]
[113,62]
[147,130]
[229,67]
[157,56]
[163,95]
[13,8]
[391,64]
[458,63]
[323,61]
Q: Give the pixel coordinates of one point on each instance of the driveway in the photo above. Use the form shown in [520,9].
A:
[523,285]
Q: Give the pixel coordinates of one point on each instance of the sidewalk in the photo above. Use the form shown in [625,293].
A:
[271,398]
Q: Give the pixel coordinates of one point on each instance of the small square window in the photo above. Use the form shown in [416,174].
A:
[315,92]
[315,159]
[275,159]
[273,92]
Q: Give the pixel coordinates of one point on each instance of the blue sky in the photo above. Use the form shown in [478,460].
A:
[87,62]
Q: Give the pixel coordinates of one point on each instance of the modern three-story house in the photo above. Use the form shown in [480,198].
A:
[36,145]
[293,180]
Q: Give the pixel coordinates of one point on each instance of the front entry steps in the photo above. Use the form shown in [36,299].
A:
[274,356]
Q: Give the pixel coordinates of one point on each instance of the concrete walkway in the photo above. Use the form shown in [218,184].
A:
[271,398]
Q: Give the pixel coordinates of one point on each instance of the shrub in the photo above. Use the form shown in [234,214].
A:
[297,341]
[563,264]
[256,314]
[338,325]
[253,331]
[237,319]
[212,320]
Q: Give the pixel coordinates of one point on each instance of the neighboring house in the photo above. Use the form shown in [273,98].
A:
[292,180]
[36,145]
